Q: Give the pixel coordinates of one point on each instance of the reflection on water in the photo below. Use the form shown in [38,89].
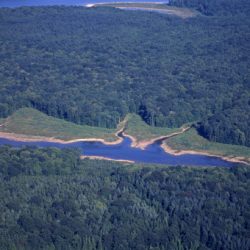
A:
[123,151]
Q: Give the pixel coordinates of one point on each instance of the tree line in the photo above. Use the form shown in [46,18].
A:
[94,65]
[50,199]
[215,7]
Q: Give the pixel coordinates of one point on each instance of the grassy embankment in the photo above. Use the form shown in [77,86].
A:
[191,140]
[156,7]
[137,128]
[28,121]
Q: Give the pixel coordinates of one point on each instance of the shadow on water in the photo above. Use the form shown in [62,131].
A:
[123,151]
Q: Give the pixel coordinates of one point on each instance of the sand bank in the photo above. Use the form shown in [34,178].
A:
[27,138]
[235,159]
[104,158]
[145,143]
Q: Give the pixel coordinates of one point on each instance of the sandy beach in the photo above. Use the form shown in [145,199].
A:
[144,143]
[104,158]
[235,159]
[26,138]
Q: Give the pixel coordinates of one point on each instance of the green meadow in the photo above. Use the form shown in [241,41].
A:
[191,140]
[137,128]
[29,121]
[32,122]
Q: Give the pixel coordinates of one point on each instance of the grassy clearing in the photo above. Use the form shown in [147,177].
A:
[29,121]
[191,140]
[142,131]
[161,8]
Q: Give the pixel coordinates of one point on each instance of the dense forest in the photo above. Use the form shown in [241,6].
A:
[215,7]
[50,199]
[94,65]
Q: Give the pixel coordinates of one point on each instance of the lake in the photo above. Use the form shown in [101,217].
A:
[19,3]
[123,151]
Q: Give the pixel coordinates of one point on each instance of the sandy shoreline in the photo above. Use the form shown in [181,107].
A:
[129,2]
[145,143]
[34,138]
[234,159]
[146,6]
[92,157]
[26,138]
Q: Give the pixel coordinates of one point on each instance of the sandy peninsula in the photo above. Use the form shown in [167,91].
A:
[104,158]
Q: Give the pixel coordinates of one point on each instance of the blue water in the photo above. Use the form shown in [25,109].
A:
[19,3]
[123,151]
